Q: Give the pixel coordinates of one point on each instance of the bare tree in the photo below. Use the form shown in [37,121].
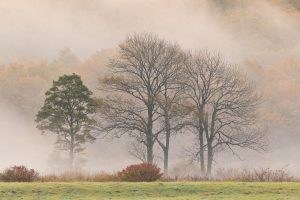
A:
[202,71]
[231,117]
[173,113]
[224,107]
[138,75]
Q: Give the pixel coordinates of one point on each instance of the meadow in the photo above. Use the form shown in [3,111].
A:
[154,190]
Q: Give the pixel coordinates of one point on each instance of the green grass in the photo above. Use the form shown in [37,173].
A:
[143,191]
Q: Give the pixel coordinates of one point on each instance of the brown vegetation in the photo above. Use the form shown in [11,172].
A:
[78,175]
[240,175]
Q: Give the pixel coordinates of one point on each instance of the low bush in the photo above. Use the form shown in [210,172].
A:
[19,174]
[144,172]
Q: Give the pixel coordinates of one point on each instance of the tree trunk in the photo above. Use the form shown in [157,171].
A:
[71,153]
[166,154]
[209,159]
[202,160]
[149,134]
[166,162]
[201,152]
[210,139]
[201,141]
[165,148]
[150,152]
[167,145]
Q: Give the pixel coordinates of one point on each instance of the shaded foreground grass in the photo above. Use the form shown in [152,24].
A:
[157,190]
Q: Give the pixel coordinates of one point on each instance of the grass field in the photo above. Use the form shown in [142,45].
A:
[143,191]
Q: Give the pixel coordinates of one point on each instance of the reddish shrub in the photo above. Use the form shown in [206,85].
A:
[144,172]
[19,174]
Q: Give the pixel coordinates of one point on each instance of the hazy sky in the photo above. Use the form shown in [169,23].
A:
[41,28]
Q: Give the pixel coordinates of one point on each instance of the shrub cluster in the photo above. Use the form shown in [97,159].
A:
[140,172]
[144,172]
[19,174]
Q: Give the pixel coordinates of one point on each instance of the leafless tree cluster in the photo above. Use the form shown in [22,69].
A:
[223,108]
[155,90]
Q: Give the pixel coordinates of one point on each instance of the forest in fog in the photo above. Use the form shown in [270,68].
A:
[44,40]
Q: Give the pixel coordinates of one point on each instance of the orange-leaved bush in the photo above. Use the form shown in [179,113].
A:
[19,174]
[144,172]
